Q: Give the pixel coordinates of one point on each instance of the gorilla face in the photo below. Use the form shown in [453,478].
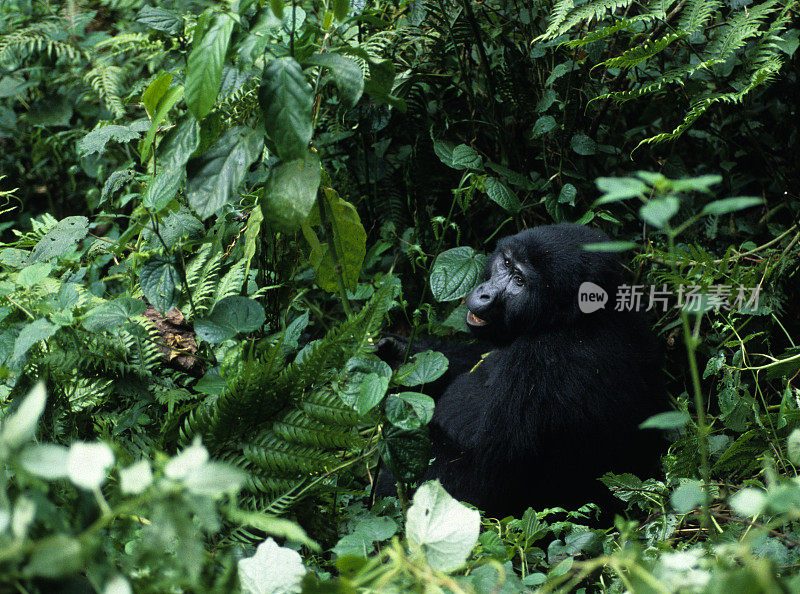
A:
[532,281]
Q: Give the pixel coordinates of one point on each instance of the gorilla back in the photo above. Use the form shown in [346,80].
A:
[558,400]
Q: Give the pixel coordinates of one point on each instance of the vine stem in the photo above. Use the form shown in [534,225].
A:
[699,405]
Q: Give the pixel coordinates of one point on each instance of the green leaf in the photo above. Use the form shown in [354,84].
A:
[619,188]
[113,313]
[349,240]
[499,193]
[749,502]
[19,426]
[409,410]
[371,391]
[688,496]
[154,92]
[231,316]
[543,125]
[291,191]
[87,464]
[728,205]
[215,479]
[423,368]
[609,246]
[270,524]
[346,74]
[96,140]
[160,19]
[440,529]
[340,9]
[567,194]
[167,102]
[204,66]
[348,386]
[286,98]
[215,177]
[30,335]
[701,183]
[674,419]
[466,157]
[136,478]
[444,150]
[159,280]
[179,144]
[659,211]
[277,7]
[32,275]
[60,239]
[46,460]
[273,569]
[455,272]
[583,145]
[405,452]
[55,556]
[793,447]
[162,189]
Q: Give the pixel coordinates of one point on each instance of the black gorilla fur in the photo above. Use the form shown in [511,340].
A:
[558,401]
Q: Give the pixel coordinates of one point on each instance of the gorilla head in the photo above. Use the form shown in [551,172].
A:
[533,278]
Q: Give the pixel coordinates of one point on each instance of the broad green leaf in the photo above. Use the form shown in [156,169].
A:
[215,479]
[217,173]
[728,205]
[349,240]
[406,452]
[160,19]
[46,460]
[674,419]
[96,140]
[87,464]
[466,157]
[455,272]
[444,150]
[371,391]
[440,529]
[277,7]
[286,98]
[381,79]
[31,334]
[423,368]
[567,194]
[252,233]
[609,246]
[160,281]
[271,524]
[162,189]
[688,496]
[165,104]
[231,316]
[348,386]
[19,427]
[55,556]
[113,313]
[272,570]
[179,144]
[701,183]
[793,447]
[543,125]
[346,74]
[135,478]
[340,9]
[583,145]
[619,188]
[60,239]
[32,275]
[659,211]
[154,92]
[749,502]
[291,191]
[409,410]
[186,461]
[499,193]
[204,66]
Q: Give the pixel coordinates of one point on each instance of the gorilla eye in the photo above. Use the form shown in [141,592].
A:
[506,262]
[519,280]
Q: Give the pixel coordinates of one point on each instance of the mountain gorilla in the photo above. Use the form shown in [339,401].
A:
[559,397]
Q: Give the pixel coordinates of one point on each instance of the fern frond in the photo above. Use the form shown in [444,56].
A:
[108,82]
[231,283]
[557,17]
[637,55]
[696,14]
[594,10]
[742,27]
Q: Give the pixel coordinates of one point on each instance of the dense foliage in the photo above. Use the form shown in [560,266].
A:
[212,210]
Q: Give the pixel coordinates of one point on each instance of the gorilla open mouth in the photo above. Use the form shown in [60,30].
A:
[474,320]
